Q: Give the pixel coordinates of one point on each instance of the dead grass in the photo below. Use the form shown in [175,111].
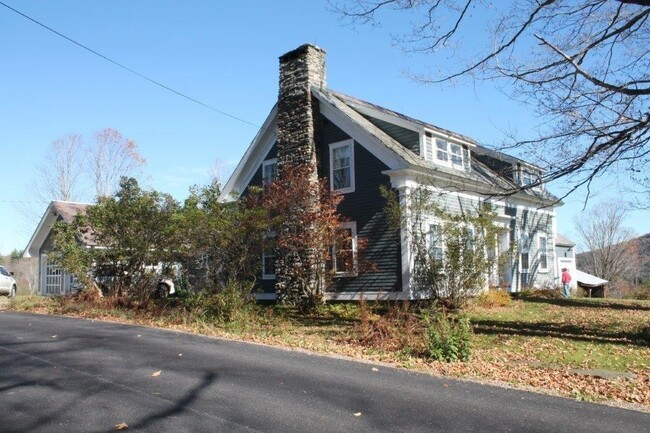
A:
[534,342]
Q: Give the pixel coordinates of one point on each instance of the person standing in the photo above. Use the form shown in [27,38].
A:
[566,279]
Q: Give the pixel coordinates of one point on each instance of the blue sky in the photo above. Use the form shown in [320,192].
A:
[223,53]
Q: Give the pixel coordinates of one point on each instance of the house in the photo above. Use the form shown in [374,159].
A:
[52,280]
[359,146]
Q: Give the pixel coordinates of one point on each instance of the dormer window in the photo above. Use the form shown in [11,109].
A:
[442,152]
[529,177]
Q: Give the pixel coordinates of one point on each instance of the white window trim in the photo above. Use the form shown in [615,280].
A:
[267,163]
[352,225]
[438,223]
[434,150]
[539,252]
[264,275]
[338,145]
[535,175]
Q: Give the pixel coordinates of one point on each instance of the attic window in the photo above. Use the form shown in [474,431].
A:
[269,171]
[528,177]
[342,166]
[442,152]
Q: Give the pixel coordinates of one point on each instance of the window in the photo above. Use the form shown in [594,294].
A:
[456,155]
[436,244]
[543,253]
[4,272]
[344,252]
[269,171]
[268,257]
[528,177]
[442,151]
[524,262]
[342,166]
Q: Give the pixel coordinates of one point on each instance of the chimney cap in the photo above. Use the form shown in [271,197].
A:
[300,51]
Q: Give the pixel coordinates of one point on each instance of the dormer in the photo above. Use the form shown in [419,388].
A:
[441,150]
[525,175]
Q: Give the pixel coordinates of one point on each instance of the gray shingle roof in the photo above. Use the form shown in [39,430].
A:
[479,171]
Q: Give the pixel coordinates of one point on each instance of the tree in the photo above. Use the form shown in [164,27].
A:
[71,168]
[133,231]
[582,65]
[222,239]
[609,251]
[111,157]
[60,173]
[303,229]
[454,254]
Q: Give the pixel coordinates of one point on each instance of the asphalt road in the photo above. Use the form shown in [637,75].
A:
[67,375]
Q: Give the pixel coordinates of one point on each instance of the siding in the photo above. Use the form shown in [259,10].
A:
[365,206]
[534,223]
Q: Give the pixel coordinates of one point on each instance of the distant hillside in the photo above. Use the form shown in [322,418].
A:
[643,251]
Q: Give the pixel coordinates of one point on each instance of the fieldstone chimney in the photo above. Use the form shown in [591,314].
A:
[300,69]
[297,270]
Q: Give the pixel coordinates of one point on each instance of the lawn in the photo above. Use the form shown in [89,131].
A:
[546,345]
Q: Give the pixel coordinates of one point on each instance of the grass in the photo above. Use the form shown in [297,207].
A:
[531,343]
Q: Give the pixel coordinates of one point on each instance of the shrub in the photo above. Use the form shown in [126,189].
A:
[448,338]
[542,294]
[493,299]
[225,305]
[397,330]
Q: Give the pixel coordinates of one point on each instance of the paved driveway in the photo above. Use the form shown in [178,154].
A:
[69,375]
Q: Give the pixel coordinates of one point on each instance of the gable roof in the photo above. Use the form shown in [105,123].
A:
[56,210]
[351,115]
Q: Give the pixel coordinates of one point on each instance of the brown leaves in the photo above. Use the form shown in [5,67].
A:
[156,373]
[121,426]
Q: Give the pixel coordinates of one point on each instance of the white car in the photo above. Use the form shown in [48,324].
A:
[7,283]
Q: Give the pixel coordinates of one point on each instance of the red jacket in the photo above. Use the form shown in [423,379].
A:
[566,277]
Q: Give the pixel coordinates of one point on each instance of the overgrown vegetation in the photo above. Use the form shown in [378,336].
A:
[448,338]
[454,253]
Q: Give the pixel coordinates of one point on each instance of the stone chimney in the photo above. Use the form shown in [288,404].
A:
[300,69]
[297,272]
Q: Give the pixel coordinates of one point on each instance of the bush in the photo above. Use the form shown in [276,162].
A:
[448,338]
[542,293]
[396,330]
[225,305]
[493,299]
[641,293]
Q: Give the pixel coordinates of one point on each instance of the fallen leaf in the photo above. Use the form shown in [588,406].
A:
[375,369]
[54,336]
[180,354]
[357,414]
[156,373]
[139,335]
[121,426]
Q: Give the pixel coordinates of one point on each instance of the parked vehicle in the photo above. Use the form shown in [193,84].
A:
[7,283]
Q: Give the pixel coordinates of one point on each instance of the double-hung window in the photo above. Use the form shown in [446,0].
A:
[543,253]
[456,151]
[442,152]
[344,252]
[528,176]
[436,242]
[342,166]
[268,257]
[269,171]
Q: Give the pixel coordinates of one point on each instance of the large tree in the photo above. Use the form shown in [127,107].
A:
[609,251]
[584,65]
